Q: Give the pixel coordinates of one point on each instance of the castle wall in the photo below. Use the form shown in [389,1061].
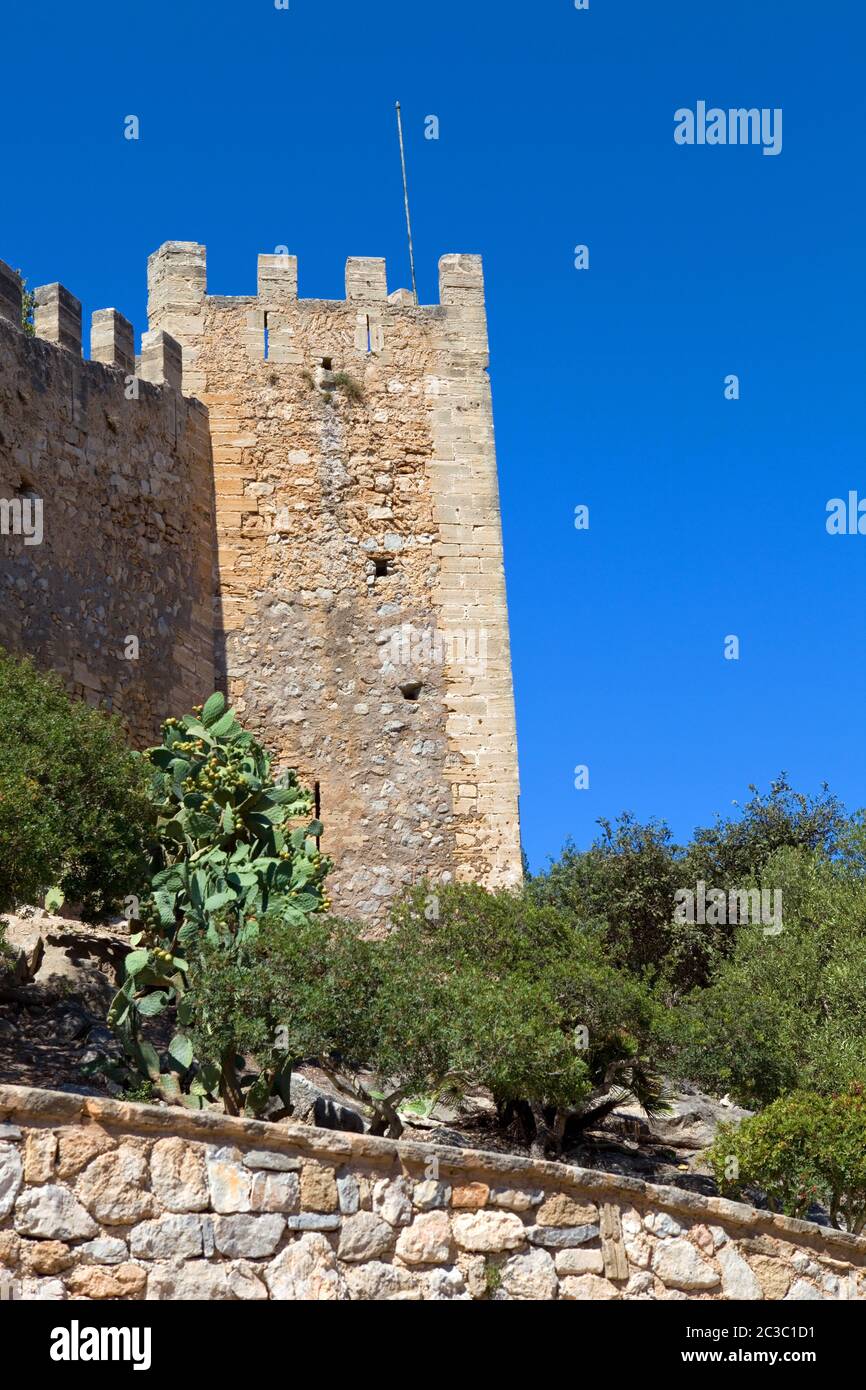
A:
[314,524]
[104,1200]
[362,592]
[122,470]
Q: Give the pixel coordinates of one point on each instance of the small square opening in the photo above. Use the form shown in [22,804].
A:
[381,566]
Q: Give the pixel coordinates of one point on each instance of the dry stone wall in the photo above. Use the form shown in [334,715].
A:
[106,512]
[103,1200]
[361,581]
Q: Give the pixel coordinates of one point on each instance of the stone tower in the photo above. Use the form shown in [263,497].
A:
[361,586]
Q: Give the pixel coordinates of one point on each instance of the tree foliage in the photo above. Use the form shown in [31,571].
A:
[803,1149]
[74,809]
[785,1011]
[629,877]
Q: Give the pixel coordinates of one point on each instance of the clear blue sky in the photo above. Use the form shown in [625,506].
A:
[262,127]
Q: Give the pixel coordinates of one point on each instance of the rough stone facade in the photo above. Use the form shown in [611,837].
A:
[120,468]
[103,1200]
[361,581]
[358,615]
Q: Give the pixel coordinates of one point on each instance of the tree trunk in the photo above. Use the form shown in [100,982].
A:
[547,1140]
[230,1091]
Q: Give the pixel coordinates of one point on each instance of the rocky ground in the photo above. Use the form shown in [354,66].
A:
[53,1024]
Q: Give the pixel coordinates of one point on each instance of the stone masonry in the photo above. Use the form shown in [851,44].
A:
[105,1200]
[116,595]
[302,497]
[362,592]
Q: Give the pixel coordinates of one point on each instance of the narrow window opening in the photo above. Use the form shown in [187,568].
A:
[317,807]
[381,567]
[410,690]
[267,340]
[327,364]
[369,335]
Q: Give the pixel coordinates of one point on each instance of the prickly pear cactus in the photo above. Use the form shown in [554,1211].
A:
[231,844]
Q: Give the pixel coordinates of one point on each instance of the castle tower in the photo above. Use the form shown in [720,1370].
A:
[362,595]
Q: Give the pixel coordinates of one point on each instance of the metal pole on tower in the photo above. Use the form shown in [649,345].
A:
[406,202]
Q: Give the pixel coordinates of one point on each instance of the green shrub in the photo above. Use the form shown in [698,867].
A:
[293,991]
[354,391]
[74,810]
[228,849]
[628,879]
[733,851]
[489,989]
[804,1148]
[28,308]
[470,989]
[784,1012]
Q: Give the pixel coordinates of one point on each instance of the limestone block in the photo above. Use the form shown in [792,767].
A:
[366,278]
[168,1238]
[11,1177]
[161,359]
[229,1181]
[45,1256]
[430,1194]
[57,317]
[275,1192]
[561,1237]
[77,1147]
[178,1177]
[250,1237]
[105,1250]
[307,1271]
[319,1188]
[738,1278]
[365,1236]
[679,1266]
[348,1194]
[489,1231]
[579,1261]
[277,278]
[587,1288]
[516,1198]
[314,1221]
[271,1160]
[10,294]
[114,1187]
[560,1209]
[392,1201]
[428,1240]
[470,1196]
[112,340]
[530,1276]
[98,1282]
[52,1213]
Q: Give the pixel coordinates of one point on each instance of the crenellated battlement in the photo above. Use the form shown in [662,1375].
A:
[178,299]
[177,281]
[57,319]
[269,325]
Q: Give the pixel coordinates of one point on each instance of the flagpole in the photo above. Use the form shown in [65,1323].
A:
[406,202]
